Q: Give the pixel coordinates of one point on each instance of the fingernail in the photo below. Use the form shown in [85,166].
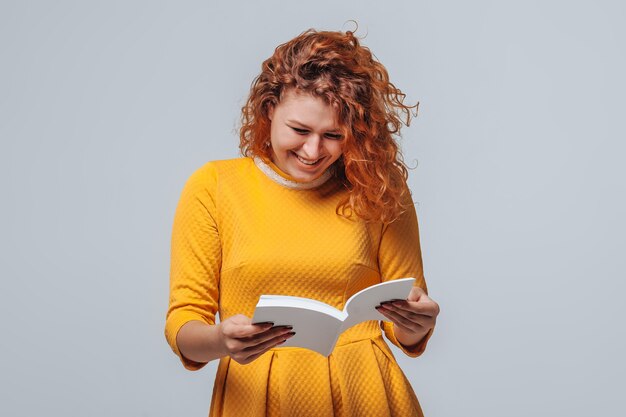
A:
[291,334]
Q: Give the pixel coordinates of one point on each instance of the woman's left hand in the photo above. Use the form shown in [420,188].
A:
[412,317]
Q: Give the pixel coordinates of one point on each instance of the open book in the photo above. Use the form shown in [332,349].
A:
[317,324]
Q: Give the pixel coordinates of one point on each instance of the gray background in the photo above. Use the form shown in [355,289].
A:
[107,107]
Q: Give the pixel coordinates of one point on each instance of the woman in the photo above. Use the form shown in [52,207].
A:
[317,207]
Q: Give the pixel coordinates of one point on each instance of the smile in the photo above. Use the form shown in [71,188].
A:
[305,161]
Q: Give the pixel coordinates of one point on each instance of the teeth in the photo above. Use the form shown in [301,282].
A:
[304,161]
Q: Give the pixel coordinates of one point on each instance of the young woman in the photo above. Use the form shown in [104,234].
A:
[317,207]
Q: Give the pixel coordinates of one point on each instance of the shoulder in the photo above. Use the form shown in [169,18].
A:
[207,183]
[213,172]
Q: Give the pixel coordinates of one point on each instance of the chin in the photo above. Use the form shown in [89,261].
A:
[305,176]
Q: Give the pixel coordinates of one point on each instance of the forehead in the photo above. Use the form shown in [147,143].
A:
[307,109]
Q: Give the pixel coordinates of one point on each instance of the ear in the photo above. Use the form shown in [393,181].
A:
[270,111]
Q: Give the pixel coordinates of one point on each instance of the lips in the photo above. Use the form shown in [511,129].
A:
[307,162]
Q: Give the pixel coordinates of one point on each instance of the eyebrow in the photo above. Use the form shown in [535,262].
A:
[307,127]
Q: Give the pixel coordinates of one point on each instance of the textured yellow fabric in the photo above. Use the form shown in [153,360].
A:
[237,234]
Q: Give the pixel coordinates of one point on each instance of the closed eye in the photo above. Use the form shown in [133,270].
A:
[306,132]
[333,136]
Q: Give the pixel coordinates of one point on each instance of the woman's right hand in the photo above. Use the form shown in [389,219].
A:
[244,341]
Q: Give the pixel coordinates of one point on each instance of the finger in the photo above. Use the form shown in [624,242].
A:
[266,334]
[417,294]
[240,330]
[407,314]
[242,351]
[401,320]
[258,328]
[255,356]
[251,358]
[388,315]
[420,319]
[423,309]
[268,344]
[418,307]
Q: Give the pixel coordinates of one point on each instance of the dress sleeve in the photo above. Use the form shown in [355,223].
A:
[400,256]
[195,259]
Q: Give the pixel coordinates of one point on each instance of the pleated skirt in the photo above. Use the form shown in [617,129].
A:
[360,378]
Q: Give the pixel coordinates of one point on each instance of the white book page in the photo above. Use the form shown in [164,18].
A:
[314,330]
[362,305]
[300,302]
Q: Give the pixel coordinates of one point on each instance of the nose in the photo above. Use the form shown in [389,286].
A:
[312,146]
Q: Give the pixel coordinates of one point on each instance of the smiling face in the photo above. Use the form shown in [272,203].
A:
[304,135]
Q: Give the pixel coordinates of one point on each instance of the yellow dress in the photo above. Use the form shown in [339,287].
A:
[244,228]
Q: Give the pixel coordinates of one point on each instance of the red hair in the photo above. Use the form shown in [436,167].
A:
[335,67]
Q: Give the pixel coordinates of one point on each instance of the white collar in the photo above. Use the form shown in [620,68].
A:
[297,185]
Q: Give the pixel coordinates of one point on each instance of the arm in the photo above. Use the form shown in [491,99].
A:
[236,337]
[200,342]
[196,258]
[399,256]
[194,273]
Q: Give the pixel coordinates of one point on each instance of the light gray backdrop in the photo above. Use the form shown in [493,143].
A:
[107,107]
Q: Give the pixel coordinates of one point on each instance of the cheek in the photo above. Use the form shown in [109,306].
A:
[281,142]
[336,150]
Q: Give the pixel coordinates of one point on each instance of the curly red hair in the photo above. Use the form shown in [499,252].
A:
[337,68]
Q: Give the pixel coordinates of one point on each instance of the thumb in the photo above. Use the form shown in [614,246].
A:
[416,294]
